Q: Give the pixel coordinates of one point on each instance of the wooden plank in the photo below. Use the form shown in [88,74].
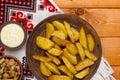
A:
[105,21]
[88,3]
[111,50]
[116,72]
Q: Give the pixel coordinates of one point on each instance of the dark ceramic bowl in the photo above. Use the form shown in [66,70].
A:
[16,60]
[25,35]
[76,22]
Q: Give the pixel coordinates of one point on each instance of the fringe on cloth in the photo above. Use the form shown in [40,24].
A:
[105,71]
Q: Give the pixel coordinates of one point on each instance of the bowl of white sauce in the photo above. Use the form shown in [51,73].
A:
[12,35]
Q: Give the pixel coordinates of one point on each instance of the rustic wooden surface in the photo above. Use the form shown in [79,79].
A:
[104,16]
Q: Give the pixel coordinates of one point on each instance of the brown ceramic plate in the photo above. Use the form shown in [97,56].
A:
[76,22]
[16,60]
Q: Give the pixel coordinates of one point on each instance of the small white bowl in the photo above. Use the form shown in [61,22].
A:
[12,35]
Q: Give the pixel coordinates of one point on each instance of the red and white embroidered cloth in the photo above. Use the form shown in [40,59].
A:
[29,13]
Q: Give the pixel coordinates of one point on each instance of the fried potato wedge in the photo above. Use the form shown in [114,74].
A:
[75,33]
[69,31]
[41,58]
[72,49]
[91,42]
[44,43]
[69,65]
[57,47]
[83,73]
[55,52]
[60,26]
[70,57]
[54,59]
[52,67]
[90,55]
[49,30]
[59,77]
[44,70]
[60,42]
[83,64]
[59,33]
[64,69]
[80,50]
[82,38]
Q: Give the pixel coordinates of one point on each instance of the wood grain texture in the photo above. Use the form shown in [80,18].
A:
[88,3]
[105,21]
[116,72]
[111,50]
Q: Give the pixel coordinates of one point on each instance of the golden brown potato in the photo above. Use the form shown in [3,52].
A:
[54,59]
[82,38]
[41,58]
[75,33]
[69,65]
[60,26]
[70,57]
[83,64]
[44,70]
[59,33]
[55,52]
[44,43]
[80,50]
[91,42]
[72,49]
[64,69]
[57,47]
[52,67]
[49,30]
[60,42]
[90,55]
[69,31]
[59,77]
[83,73]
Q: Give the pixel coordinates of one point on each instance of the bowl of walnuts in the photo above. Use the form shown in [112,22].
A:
[10,68]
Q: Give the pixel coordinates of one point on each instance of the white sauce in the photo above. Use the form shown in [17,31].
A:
[12,35]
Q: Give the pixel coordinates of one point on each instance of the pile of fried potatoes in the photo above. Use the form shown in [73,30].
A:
[68,52]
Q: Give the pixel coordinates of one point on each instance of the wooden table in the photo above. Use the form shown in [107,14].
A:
[104,16]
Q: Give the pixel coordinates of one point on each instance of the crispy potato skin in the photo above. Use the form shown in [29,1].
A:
[55,52]
[41,58]
[83,64]
[59,77]
[60,42]
[52,67]
[75,34]
[91,42]
[90,55]
[70,57]
[44,43]
[54,58]
[59,33]
[69,65]
[80,50]
[64,69]
[72,49]
[82,38]
[44,70]
[49,30]
[60,26]
[69,31]
[83,73]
